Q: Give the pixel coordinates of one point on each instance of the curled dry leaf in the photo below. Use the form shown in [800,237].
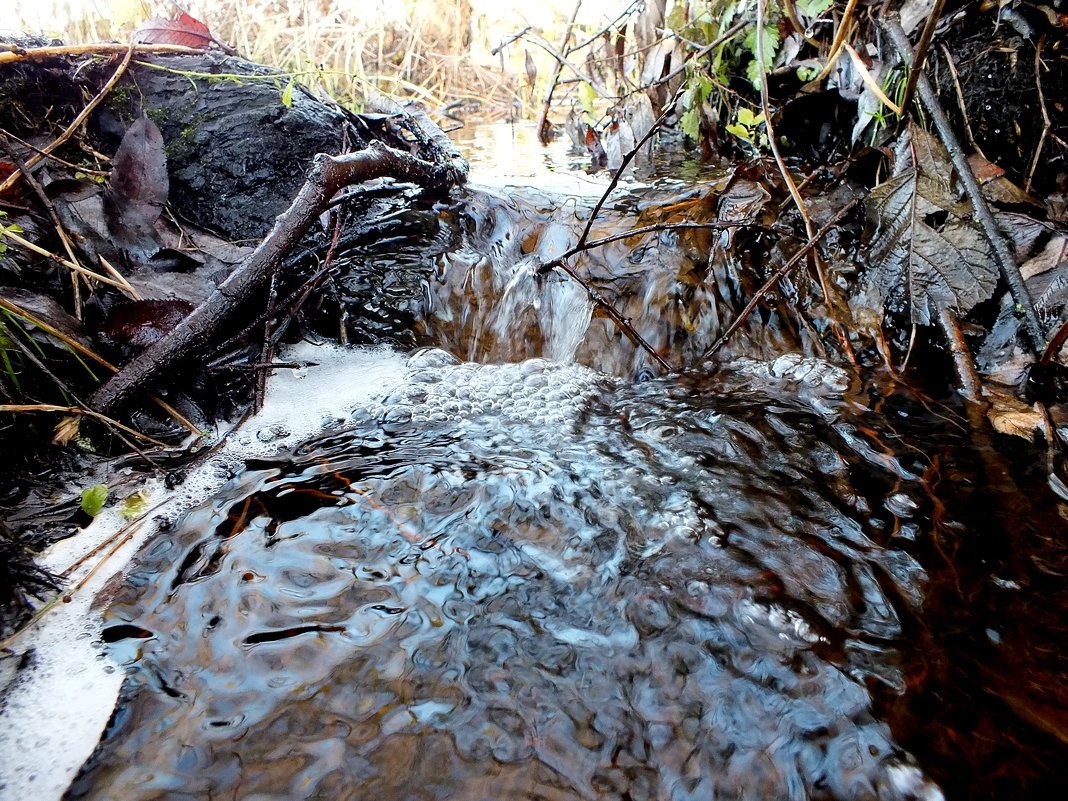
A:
[66,429]
[182,30]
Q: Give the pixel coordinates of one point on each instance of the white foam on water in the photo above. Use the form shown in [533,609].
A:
[54,712]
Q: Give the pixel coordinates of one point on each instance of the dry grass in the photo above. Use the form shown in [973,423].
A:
[437,51]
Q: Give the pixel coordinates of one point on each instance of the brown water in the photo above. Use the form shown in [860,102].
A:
[534,580]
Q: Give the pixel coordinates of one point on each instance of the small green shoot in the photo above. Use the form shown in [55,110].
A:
[93,499]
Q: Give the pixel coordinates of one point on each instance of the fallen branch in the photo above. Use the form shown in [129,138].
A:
[328,175]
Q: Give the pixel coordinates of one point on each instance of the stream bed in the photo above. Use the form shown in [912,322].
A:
[531,567]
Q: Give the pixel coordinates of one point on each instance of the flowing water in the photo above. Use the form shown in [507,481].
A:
[534,569]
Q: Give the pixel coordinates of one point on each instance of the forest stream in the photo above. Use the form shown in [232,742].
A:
[531,566]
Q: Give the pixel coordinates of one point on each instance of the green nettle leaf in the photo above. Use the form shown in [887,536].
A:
[771,47]
[924,246]
[93,499]
[586,96]
[287,94]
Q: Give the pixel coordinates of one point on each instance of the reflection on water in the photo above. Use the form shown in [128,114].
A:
[532,581]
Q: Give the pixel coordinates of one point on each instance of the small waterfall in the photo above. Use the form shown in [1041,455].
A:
[491,302]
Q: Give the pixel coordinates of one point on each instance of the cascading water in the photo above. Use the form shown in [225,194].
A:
[490,300]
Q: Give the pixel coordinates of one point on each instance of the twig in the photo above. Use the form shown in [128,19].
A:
[99,49]
[40,365]
[50,209]
[871,83]
[71,265]
[53,156]
[543,126]
[48,407]
[509,40]
[563,62]
[617,316]
[1010,271]
[1046,124]
[967,377]
[82,116]
[960,101]
[821,273]
[921,52]
[649,229]
[839,41]
[727,35]
[779,274]
[73,344]
[594,37]
[627,159]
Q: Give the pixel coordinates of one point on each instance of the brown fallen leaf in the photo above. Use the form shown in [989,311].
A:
[182,30]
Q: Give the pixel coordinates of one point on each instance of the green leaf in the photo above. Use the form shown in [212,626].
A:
[746,117]
[691,124]
[287,94]
[93,499]
[813,8]
[586,96]
[771,47]
[741,132]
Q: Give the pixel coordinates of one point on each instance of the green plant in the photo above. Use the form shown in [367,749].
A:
[747,127]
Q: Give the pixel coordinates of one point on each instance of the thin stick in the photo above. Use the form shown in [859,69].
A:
[40,251]
[52,156]
[680,226]
[821,274]
[543,119]
[839,40]
[85,112]
[84,351]
[779,274]
[727,35]
[871,83]
[563,62]
[1010,271]
[48,407]
[617,317]
[98,49]
[960,101]
[627,159]
[967,377]
[921,52]
[1046,124]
